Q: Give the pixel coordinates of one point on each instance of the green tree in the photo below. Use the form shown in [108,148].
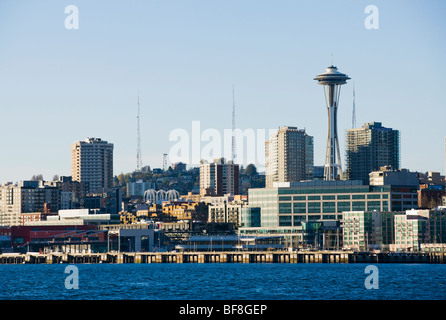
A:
[250,170]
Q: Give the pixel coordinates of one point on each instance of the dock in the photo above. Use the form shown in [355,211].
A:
[223,257]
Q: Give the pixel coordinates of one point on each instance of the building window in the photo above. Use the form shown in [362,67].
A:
[284,207]
[299,207]
[314,207]
[18,240]
[358,205]
[373,205]
[328,207]
[285,221]
[343,206]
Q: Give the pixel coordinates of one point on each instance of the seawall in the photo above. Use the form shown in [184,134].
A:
[223,257]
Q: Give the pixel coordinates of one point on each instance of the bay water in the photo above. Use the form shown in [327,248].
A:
[231,281]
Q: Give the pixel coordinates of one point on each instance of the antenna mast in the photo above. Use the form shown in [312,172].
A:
[234,155]
[354,108]
[138,142]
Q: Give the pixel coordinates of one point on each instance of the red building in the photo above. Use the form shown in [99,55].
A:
[63,238]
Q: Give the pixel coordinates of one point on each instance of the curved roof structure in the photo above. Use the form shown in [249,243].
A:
[153,196]
[332,76]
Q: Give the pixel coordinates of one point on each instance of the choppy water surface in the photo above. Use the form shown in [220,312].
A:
[223,282]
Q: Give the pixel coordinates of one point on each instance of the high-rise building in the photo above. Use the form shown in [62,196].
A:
[92,163]
[369,148]
[219,178]
[288,156]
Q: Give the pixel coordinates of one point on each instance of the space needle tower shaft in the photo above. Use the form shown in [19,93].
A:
[332,81]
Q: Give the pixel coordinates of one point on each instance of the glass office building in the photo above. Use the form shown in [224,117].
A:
[310,213]
[326,200]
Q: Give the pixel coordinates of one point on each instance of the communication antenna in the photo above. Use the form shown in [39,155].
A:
[234,155]
[354,108]
[138,141]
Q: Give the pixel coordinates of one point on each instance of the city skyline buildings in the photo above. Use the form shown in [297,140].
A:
[289,156]
[369,148]
[70,75]
[92,164]
[219,177]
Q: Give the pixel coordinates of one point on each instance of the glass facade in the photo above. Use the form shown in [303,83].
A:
[251,217]
[368,230]
[366,215]
[290,206]
[267,201]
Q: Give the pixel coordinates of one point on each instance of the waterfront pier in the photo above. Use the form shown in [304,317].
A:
[223,257]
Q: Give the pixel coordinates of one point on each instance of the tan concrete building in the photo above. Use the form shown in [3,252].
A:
[92,163]
[219,178]
[226,213]
[288,156]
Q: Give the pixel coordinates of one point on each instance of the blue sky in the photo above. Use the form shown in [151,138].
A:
[58,86]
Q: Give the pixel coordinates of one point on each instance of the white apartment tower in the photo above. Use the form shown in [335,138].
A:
[92,163]
[288,156]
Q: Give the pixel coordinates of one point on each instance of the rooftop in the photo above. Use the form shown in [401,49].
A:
[332,76]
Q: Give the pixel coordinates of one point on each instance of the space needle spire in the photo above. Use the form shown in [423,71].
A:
[332,80]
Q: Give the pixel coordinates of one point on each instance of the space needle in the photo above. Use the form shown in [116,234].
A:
[332,81]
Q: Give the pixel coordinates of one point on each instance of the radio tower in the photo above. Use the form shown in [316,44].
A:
[138,143]
[354,109]
[234,154]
